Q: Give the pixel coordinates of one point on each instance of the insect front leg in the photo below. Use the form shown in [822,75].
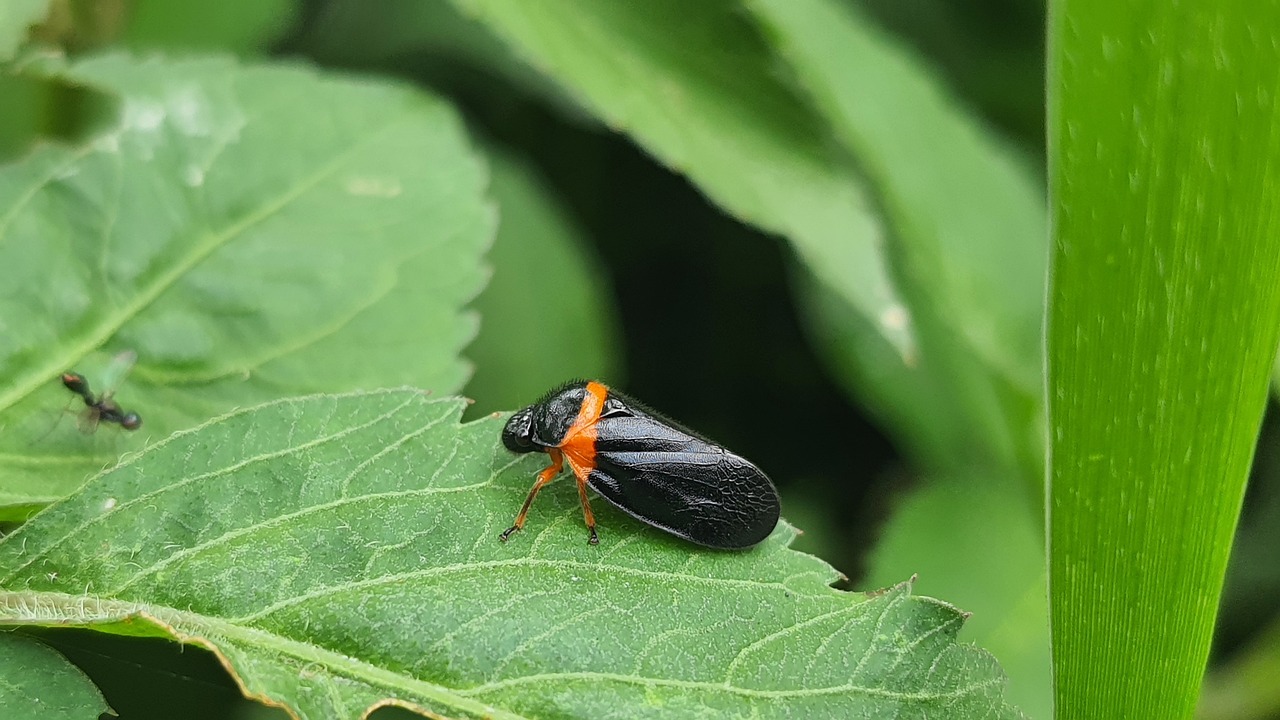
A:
[547,475]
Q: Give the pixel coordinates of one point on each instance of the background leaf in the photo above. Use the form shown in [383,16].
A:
[16,17]
[969,228]
[37,682]
[695,85]
[244,26]
[968,223]
[247,232]
[1163,324]
[341,551]
[447,49]
[25,101]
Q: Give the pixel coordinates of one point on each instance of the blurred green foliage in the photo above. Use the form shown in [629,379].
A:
[616,257]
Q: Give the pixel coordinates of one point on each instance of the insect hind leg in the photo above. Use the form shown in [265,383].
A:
[587,516]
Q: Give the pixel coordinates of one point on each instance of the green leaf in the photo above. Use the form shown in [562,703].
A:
[37,682]
[26,102]
[943,424]
[341,552]
[946,531]
[241,26]
[247,231]
[696,85]
[451,46]
[969,226]
[1163,323]
[16,18]
[546,314]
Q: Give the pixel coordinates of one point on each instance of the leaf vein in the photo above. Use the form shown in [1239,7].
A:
[596,677]
[76,531]
[393,579]
[757,643]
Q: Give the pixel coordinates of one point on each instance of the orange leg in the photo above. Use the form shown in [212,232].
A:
[547,475]
[586,507]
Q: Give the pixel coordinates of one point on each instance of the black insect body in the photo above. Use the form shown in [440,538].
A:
[646,465]
[99,409]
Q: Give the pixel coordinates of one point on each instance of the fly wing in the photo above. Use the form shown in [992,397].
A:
[681,483]
[116,371]
[88,421]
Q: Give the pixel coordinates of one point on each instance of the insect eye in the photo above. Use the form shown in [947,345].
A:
[517,435]
[131,421]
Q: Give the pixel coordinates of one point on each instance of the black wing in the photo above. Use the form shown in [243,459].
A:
[681,483]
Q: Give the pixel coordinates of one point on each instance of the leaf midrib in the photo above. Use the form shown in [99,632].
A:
[200,629]
[205,630]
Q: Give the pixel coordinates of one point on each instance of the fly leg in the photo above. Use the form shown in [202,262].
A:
[545,476]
